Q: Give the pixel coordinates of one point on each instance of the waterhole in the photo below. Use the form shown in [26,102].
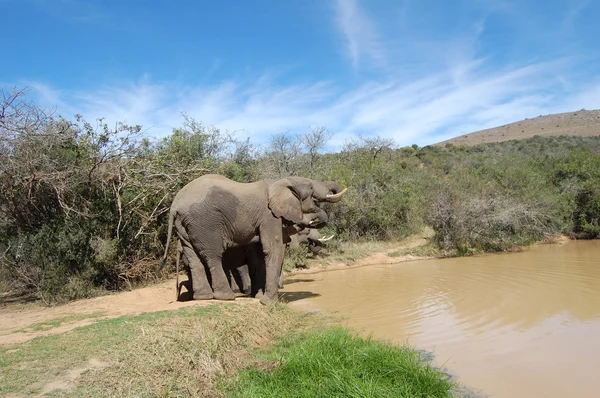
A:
[509,325]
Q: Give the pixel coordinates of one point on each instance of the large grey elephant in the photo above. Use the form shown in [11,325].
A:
[213,213]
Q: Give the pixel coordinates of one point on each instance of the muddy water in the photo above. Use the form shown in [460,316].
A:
[510,325]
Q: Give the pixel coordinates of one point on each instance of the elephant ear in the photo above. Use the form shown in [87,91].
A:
[284,201]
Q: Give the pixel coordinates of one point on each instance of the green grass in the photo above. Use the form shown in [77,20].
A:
[335,363]
[41,326]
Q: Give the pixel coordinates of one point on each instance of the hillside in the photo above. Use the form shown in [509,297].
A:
[581,123]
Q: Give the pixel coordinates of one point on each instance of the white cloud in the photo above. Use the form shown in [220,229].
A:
[361,37]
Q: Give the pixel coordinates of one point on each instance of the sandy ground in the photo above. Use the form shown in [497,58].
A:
[16,321]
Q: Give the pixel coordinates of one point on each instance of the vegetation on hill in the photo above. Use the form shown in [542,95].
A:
[581,123]
[83,206]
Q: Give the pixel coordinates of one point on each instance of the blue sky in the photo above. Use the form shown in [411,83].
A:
[418,71]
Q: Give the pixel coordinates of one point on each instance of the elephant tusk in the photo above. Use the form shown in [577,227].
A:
[335,197]
[326,239]
[313,222]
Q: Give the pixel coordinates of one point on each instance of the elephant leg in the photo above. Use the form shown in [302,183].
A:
[231,279]
[257,282]
[241,275]
[273,248]
[255,262]
[199,282]
[220,284]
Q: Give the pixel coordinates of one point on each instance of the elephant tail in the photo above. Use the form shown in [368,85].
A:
[169,233]
[179,254]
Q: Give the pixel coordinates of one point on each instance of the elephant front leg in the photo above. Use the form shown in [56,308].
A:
[273,249]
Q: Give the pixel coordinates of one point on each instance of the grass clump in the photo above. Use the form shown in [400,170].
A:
[336,363]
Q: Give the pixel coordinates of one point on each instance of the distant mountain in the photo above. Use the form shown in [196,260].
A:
[580,123]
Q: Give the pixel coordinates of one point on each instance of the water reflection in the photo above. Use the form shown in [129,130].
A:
[521,324]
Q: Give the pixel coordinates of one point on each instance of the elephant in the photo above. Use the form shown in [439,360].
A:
[309,237]
[213,213]
[242,264]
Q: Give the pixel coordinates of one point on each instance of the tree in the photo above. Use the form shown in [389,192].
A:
[314,141]
[283,156]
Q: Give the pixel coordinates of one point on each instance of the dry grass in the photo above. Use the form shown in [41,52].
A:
[169,353]
[580,123]
[349,252]
[184,356]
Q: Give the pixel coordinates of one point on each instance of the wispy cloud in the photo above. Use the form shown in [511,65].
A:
[361,38]
[574,11]
[424,111]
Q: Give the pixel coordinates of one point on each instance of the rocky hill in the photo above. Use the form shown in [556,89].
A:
[579,123]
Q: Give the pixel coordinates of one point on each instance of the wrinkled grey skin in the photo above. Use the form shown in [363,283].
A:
[213,213]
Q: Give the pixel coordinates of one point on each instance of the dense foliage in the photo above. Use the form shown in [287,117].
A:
[84,205]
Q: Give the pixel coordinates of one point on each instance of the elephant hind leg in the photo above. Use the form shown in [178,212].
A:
[199,283]
[242,278]
[220,283]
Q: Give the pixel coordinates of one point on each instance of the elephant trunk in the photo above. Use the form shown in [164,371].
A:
[315,220]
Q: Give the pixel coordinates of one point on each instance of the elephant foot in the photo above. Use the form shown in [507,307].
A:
[266,299]
[203,296]
[224,295]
